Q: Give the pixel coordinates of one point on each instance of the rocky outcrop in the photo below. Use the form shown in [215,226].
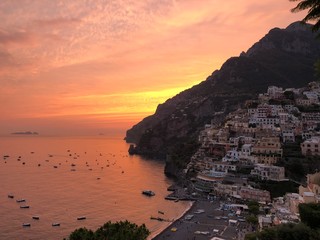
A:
[284,57]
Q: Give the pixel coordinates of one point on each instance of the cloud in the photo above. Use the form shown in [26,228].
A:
[57,22]
[16,37]
[6,59]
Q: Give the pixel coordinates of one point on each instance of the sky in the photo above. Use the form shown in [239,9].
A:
[100,66]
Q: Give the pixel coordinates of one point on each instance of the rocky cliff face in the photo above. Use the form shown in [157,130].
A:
[284,57]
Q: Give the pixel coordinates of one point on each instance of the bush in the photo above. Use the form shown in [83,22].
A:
[112,231]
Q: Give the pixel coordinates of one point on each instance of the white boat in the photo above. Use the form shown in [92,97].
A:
[55,224]
[26,225]
[35,217]
[20,200]
[81,218]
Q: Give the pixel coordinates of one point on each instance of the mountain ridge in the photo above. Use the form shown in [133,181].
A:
[283,57]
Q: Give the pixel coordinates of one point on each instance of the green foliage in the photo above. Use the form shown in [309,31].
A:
[278,189]
[182,151]
[289,95]
[310,214]
[311,108]
[112,231]
[253,207]
[285,232]
[81,234]
[313,7]
[252,219]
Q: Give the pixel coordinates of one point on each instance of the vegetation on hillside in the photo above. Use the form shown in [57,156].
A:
[308,229]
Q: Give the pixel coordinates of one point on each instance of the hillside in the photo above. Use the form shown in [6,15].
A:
[283,57]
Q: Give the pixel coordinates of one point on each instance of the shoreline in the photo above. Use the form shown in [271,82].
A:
[187,210]
[207,220]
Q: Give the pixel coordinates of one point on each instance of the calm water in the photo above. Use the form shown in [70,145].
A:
[105,185]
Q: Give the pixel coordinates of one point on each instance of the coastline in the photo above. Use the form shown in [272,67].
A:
[158,233]
[207,220]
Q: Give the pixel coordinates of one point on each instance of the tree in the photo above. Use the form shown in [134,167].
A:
[313,7]
[112,231]
[82,234]
[310,214]
[285,232]
[253,207]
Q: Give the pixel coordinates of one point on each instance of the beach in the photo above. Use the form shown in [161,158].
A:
[207,221]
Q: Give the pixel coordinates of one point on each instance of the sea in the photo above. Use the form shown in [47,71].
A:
[64,178]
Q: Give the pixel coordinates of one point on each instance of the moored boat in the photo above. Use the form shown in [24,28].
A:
[35,217]
[25,206]
[10,196]
[148,193]
[81,218]
[55,224]
[20,200]
[26,225]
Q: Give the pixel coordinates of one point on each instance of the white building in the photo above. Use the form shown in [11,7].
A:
[267,172]
[275,92]
[231,156]
[288,135]
[311,146]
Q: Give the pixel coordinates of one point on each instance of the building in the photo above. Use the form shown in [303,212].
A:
[206,180]
[267,172]
[226,189]
[311,147]
[275,92]
[254,194]
[264,221]
[223,167]
[288,136]
[231,156]
[311,193]
[268,145]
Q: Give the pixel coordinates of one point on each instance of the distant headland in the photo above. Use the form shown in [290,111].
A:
[25,133]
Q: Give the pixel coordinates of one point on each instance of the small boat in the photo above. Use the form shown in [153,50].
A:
[148,193]
[81,218]
[161,212]
[10,196]
[55,224]
[26,225]
[157,218]
[35,217]
[26,206]
[20,200]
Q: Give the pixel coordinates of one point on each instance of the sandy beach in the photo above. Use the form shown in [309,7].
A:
[207,221]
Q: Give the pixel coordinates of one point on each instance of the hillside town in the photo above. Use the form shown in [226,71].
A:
[250,146]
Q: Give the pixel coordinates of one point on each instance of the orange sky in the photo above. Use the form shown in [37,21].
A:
[85,67]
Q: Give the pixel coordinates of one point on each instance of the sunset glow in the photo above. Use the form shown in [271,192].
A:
[87,67]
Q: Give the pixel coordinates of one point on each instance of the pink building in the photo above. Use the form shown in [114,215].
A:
[255,194]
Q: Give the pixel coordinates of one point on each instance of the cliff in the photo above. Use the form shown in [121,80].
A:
[283,57]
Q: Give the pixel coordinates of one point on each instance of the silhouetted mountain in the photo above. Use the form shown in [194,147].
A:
[283,57]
